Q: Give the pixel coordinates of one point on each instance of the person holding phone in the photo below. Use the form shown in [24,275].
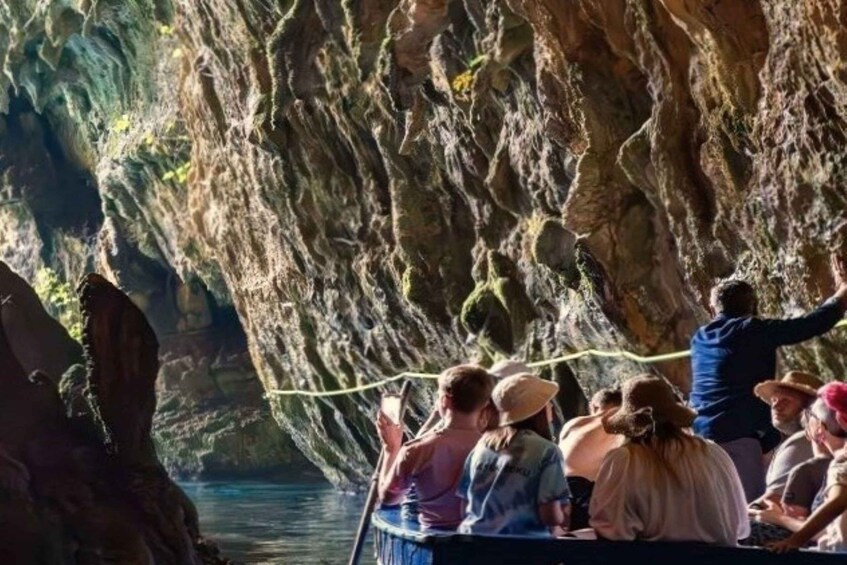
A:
[432,464]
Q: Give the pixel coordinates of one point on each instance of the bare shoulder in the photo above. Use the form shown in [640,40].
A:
[426,442]
[575,424]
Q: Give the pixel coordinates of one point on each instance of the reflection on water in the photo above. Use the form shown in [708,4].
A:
[279,524]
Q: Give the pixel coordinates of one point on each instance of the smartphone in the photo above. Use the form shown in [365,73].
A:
[390,406]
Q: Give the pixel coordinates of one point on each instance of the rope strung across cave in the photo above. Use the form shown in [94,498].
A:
[645,359]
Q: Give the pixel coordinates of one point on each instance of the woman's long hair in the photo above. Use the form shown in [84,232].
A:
[663,445]
[500,438]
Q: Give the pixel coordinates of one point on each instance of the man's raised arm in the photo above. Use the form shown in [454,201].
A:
[818,321]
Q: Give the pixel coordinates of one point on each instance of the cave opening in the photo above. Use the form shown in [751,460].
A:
[36,170]
[226,318]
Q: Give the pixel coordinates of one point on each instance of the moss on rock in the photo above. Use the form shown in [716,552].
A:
[485,315]
[498,310]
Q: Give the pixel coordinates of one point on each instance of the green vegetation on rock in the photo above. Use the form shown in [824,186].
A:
[498,310]
[59,300]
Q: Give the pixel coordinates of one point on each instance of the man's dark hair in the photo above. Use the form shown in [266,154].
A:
[468,386]
[606,398]
[734,298]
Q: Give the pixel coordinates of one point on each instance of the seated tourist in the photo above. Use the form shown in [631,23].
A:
[514,480]
[803,492]
[774,521]
[665,484]
[828,522]
[788,398]
[804,489]
[432,464]
[584,444]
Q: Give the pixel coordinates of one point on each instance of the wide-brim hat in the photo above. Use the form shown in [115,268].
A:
[519,397]
[804,383]
[509,367]
[647,401]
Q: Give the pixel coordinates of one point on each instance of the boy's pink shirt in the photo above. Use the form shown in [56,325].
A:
[434,465]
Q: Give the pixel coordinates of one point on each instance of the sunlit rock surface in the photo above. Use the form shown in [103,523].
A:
[383,185]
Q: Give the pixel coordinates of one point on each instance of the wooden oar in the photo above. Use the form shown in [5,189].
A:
[433,420]
[370,502]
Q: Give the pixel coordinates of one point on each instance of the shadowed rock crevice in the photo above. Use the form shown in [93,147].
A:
[37,171]
[81,477]
[49,204]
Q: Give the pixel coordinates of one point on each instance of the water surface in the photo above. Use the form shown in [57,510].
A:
[279,524]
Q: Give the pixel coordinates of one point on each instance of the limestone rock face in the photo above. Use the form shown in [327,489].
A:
[212,420]
[383,185]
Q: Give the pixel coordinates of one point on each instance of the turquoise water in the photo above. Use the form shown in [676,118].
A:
[279,524]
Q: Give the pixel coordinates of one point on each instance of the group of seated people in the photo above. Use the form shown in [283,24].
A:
[749,459]
[632,469]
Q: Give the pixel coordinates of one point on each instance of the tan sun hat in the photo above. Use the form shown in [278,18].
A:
[647,401]
[518,397]
[800,381]
[508,367]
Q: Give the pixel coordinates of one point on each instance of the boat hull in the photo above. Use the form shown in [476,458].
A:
[401,543]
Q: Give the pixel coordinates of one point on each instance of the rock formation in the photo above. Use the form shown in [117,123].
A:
[383,185]
[81,482]
[212,420]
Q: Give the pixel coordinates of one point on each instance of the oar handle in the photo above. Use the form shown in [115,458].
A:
[431,422]
[370,501]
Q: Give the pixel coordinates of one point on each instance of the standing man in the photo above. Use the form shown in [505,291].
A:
[736,351]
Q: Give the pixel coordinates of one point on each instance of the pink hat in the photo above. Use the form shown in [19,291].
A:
[834,395]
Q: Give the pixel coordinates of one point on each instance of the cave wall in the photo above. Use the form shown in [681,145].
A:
[59,219]
[383,185]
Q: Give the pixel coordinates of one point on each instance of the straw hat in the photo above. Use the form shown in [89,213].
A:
[795,380]
[507,368]
[518,397]
[647,401]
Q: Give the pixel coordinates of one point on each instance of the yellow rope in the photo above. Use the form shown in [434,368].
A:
[352,390]
[648,359]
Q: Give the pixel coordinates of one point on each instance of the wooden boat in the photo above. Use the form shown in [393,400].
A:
[400,542]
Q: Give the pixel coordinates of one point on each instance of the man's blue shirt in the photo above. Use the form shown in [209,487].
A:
[730,356]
